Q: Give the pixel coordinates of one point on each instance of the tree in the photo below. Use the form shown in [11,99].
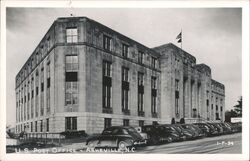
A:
[238,107]
[236,112]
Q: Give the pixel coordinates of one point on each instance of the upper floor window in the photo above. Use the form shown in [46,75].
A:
[140,79]
[125,50]
[71,62]
[71,35]
[140,57]
[107,42]
[153,82]
[125,76]
[153,62]
[176,84]
[107,69]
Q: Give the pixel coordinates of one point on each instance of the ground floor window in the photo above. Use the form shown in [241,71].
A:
[141,122]
[70,123]
[107,122]
[41,126]
[31,127]
[35,126]
[126,122]
[47,125]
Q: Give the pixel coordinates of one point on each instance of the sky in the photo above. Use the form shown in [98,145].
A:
[212,35]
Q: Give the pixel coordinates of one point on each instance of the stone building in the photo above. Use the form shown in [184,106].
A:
[86,76]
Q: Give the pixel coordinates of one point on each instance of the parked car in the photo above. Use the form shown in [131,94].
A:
[226,129]
[231,127]
[189,134]
[218,128]
[139,130]
[176,131]
[170,132]
[207,129]
[156,134]
[197,131]
[116,137]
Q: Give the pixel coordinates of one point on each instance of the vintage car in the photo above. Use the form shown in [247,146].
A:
[116,137]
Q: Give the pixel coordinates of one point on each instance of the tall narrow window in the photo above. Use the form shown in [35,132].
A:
[140,57]
[35,126]
[125,90]
[125,50]
[71,92]
[71,35]
[107,87]
[177,97]
[153,97]
[107,122]
[48,88]
[42,92]
[126,122]
[140,94]
[47,125]
[153,62]
[31,127]
[70,123]
[41,126]
[107,42]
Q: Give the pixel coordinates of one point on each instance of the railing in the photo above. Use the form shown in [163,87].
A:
[43,137]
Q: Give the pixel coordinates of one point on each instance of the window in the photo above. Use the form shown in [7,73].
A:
[140,57]
[107,122]
[126,122]
[31,127]
[70,123]
[153,62]
[125,93]
[141,123]
[140,78]
[35,126]
[107,69]
[48,88]
[153,83]
[71,92]
[125,50]
[176,84]
[125,76]
[153,95]
[71,63]
[140,94]
[41,126]
[107,42]
[71,35]
[125,88]
[107,85]
[177,97]
[47,125]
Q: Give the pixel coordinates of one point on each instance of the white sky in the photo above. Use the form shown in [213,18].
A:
[213,36]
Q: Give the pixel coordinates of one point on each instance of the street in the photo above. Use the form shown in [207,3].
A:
[224,144]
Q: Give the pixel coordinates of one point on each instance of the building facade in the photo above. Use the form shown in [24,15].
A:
[86,76]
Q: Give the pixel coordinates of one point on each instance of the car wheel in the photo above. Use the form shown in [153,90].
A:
[92,144]
[170,139]
[122,145]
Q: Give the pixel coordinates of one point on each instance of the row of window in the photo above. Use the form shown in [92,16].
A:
[125,86]
[26,94]
[34,127]
[34,60]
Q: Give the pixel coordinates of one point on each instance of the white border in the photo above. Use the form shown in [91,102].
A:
[244,4]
